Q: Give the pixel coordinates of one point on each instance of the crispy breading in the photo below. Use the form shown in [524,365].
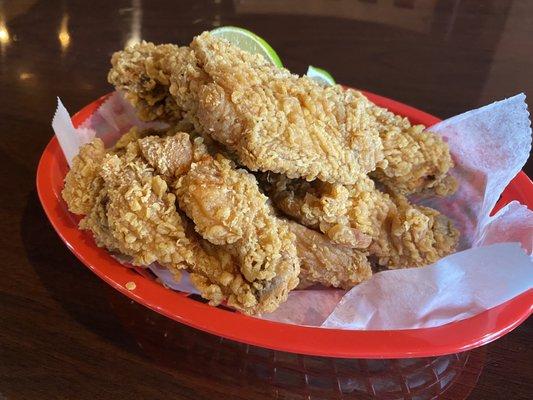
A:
[141,213]
[316,146]
[96,221]
[228,209]
[312,205]
[402,235]
[271,119]
[160,81]
[82,183]
[170,156]
[328,263]
[418,236]
[133,135]
[416,160]
[276,121]
[133,212]
[215,273]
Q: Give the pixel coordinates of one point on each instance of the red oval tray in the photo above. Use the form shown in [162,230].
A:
[450,338]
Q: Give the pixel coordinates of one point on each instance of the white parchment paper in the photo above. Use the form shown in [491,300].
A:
[489,146]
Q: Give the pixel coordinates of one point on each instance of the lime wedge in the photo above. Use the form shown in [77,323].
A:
[320,75]
[248,41]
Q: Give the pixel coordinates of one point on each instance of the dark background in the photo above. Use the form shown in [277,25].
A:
[65,334]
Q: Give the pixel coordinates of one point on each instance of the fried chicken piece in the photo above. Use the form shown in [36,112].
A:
[141,213]
[403,235]
[81,183]
[276,121]
[134,213]
[228,210]
[416,160]
[170,156]
[126,206]
[161,82]
[271,119]
[328,263]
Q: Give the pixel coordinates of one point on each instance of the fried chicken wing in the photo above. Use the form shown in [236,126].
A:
[228,210]
[402,235]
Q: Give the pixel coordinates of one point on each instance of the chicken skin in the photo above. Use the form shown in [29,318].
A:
[334,172]
[275,121]
[400,234]
[130,208]
[272,120]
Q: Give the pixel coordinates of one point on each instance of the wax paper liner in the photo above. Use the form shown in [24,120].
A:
[489,146]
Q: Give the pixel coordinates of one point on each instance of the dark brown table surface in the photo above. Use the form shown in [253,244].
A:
[64,334]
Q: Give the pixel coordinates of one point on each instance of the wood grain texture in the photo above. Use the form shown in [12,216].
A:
[65,335]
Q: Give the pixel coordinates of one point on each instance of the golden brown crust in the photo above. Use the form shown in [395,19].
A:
[160,81]
[141,214]
[130,208]
[276,121]
[171,156]
[416,160]
[134,213]
[418,236]
[82,183]
[273,120]
[267,119]
[403,235]
[228,209]
[328,263]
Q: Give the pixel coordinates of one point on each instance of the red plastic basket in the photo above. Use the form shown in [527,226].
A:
[450,338]
[246,371]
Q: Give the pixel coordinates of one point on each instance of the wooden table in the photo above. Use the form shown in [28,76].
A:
[64,334]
